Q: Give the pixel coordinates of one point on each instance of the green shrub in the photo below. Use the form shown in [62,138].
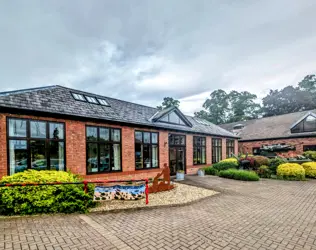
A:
[310,169]
[230,160]
[210,170]
[222,165]
[239,175]
[310,154]
[274,163]
[264,171]
[261,161]
[290,171]
[44,199]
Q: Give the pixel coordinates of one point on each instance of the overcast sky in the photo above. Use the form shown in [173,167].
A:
[142,51]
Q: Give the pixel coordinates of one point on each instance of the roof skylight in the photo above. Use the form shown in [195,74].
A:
[103,102]
[91,99]
[78,97]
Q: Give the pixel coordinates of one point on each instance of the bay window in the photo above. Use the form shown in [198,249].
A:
[103,149]
[146,150]
[34,144]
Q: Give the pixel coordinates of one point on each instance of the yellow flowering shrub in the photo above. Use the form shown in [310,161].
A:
[310,169]
[230,160]
[290,171]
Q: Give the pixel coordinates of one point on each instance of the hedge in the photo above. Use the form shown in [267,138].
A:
[44,199]
[239,175]
[310,154]
[210,170]
[290,171]
[310,169]
[264,172]
[224,165]
[274,163]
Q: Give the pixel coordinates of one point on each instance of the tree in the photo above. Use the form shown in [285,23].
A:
[243,106]
[234,106]
[169,102]
[289,99]
[308,84]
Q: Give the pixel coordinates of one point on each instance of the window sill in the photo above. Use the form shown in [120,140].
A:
[107,172]
[137,169]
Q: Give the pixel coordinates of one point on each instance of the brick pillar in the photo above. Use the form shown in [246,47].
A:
[189,150]
[128,149]
[3,147]
[76,147]
[223,148]
[236,147]
[208,150]
[163,149]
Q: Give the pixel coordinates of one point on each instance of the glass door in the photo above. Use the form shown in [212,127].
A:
[177,151]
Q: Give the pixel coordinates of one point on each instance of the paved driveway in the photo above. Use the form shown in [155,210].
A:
[268,214]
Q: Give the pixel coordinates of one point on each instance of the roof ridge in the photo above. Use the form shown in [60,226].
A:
[261,118]
[26,90]
[102,96]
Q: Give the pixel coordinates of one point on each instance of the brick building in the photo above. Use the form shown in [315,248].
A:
[296,129]
[102,138]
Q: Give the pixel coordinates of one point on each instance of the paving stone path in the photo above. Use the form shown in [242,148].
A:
[268,214]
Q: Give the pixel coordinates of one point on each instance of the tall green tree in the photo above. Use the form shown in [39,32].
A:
[308,83]
[288,100]
[243,106]
[224,107]
[169,102]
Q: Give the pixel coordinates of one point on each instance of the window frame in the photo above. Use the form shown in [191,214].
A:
[302,123]
[28,140]
[214,158]
[93,98]
[151,144]
[98,142]
[199,147]
[306,147]
[168,122]
[100,102]
[73,96]
[230,147]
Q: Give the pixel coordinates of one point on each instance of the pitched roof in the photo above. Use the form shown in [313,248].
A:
[162,113]
[59,100]
[270,127]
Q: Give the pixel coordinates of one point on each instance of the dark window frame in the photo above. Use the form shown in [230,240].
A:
[150,144]
[168,122]
[28,140]
[177,145]
[199,148]
[73,96]
[216,147]
[230,146]
[98,142]
[307,147]
[297,129]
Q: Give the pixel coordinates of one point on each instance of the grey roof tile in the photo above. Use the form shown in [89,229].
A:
[269,127]
[58,100]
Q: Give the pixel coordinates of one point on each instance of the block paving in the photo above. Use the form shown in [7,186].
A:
[268,214]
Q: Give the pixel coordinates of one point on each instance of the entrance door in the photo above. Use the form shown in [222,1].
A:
[177,151]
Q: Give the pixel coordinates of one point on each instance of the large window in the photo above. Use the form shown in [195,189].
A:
[307,125]
[172,118]
[146,150]
[230,147]
[103,149]
[309,148]
[199,150]
[33,144]
[216,150]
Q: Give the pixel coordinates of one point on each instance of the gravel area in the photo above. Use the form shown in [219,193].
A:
[181,194]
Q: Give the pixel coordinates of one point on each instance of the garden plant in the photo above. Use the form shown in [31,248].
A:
[290,171]
[45,198]
[310,169]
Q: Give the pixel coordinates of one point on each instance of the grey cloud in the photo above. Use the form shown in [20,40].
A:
[144,50]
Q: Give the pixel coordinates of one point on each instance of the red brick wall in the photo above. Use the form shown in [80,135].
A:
[245,147]
[76,150]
